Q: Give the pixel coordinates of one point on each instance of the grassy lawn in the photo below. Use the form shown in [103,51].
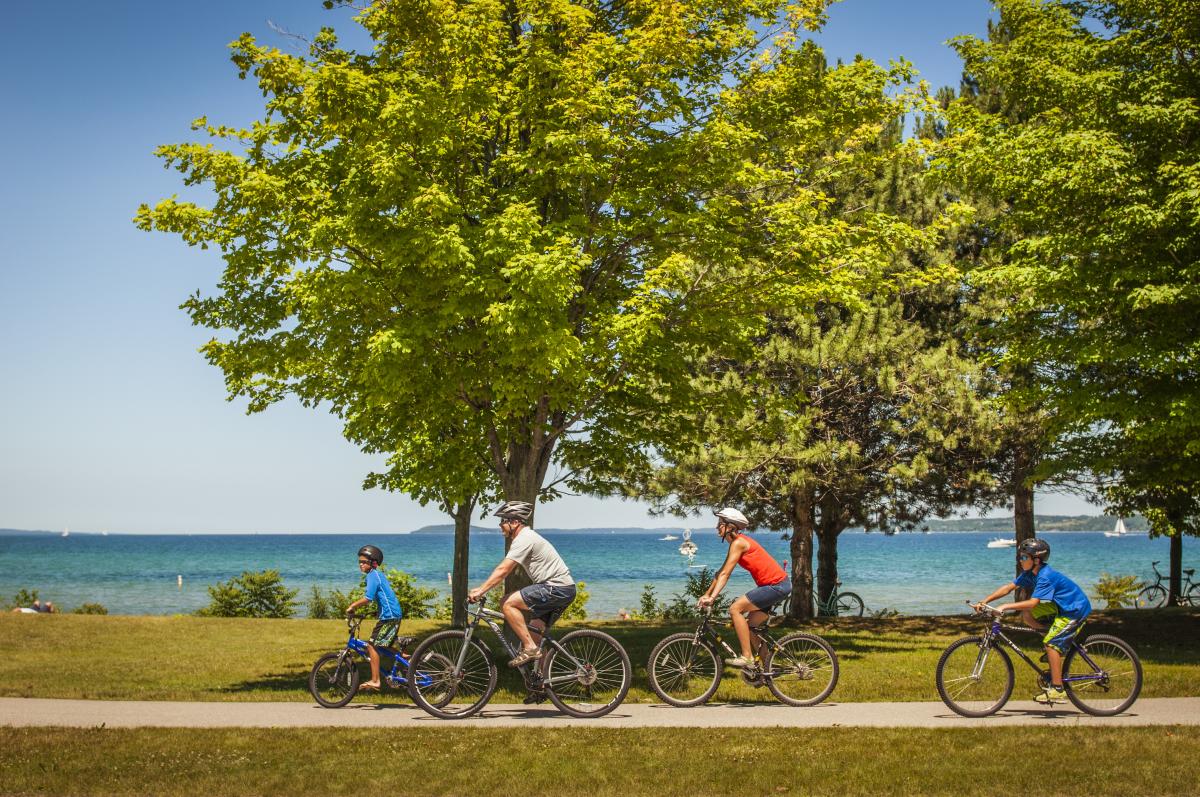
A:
[595,763]
[192,658]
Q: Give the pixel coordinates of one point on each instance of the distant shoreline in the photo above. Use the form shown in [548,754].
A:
[1003,525]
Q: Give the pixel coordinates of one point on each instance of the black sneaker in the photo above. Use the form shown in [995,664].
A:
[534,697]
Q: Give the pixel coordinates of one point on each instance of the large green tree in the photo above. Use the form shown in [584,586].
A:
[1098,175]
[514,220]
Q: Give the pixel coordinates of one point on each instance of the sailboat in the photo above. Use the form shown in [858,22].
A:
[1119,530]
[687,547]
[66,532]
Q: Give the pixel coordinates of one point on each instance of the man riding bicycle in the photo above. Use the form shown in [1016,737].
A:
[773,584]
[553,588]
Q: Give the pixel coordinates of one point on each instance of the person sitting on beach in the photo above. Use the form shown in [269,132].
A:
[1054,598]
[553,588]
[772,582]
[36,608]
[387,629]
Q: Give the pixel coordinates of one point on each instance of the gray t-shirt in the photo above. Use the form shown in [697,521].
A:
[543,564]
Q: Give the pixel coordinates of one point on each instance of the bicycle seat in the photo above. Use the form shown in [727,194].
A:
[1190,572]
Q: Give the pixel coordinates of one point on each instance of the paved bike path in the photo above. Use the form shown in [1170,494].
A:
[27,712]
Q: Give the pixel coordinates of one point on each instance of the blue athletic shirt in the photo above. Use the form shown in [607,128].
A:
[380,591]
[1051,585]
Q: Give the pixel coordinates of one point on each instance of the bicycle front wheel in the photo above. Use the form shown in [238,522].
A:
[850,605]
[973,679]
[684,671]
[441,687]
[334,679]
[1192,596]
[801,669]
[1152,597]
[587,674]
[1102,675]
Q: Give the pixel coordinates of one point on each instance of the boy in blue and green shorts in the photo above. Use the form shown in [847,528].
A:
[1054,599]
[378,590]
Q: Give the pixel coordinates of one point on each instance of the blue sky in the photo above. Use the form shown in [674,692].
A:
[109,419]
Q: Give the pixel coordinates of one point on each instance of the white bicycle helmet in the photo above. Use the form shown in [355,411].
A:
[731,515]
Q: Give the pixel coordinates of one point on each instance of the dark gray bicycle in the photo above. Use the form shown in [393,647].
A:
[685,669]
[585,674]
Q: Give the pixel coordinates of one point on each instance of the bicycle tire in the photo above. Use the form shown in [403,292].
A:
[1192,596]
[1151,597]
[670,668]
[850,605]
[798,664]
[1119,688]
[334,687]
[436,687]
[953,686]
[601,668]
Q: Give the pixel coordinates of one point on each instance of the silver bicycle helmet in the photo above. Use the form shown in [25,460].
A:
[731,515]
[515,510]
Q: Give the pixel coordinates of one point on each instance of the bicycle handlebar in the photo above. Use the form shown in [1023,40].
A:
[987,610]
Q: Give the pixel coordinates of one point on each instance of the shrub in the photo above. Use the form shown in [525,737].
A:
[683,606]
[91,608]
[259,594]
[1117,592]
[578,608]
[24,597]
[650,607]
[319,605]
[415,602]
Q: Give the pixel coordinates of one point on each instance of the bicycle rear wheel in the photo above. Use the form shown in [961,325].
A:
[588,674]
[1192,596]
[1152,597]
[439,686]
[1115,675]
[850,605]
[334,679]
[801,669]
[974,680]
[684,672]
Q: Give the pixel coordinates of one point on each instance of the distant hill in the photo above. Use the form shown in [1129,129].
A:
[448,528]
[1040,523]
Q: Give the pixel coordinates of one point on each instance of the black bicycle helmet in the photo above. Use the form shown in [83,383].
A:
[1038,549]
[515,510]
[372,553]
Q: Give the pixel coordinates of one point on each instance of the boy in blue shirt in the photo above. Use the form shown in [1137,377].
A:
[380,591]
[1054,598]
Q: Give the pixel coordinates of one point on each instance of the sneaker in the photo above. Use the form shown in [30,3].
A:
[525,656]
[1051,695]
[739,661]
[534,697]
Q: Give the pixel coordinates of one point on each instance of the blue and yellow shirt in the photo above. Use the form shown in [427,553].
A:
[1051,585]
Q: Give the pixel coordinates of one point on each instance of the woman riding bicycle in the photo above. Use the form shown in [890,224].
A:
[773,585]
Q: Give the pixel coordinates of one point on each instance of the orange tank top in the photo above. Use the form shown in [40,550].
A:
[761,565]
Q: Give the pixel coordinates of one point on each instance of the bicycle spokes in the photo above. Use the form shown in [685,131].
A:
[444,685]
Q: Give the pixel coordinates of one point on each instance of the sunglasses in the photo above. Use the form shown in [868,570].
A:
[1024,557]
[364,561]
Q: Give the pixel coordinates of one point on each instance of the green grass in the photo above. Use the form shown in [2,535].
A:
[599,762]
[193,658]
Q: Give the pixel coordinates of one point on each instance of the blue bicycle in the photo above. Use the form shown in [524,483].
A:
[335,677]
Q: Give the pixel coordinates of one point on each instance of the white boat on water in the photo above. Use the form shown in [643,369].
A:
[687,547]
[669,537]
[1119,530]
[1001,542]
[66,532]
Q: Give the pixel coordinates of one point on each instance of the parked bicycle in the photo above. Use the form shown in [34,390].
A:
[585,674]
[843,604]
[335,678]
[1102,675]
[1155,595]
[685,669]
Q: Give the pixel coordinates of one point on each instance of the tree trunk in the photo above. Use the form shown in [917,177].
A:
[462,547]
[827,569]
[1022,505]
[1176,563]
[802,552]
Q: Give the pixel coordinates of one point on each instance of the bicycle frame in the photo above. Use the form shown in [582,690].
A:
[399,663]
[996,632]
[1185,585]
[493,619]
[707,631]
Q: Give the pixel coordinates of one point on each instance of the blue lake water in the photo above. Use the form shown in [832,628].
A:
[912,573]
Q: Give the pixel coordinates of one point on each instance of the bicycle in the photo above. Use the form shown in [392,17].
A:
[1102,675]
[685,669]
[847,604]
[1154,595]
[335,677]
[453,676]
